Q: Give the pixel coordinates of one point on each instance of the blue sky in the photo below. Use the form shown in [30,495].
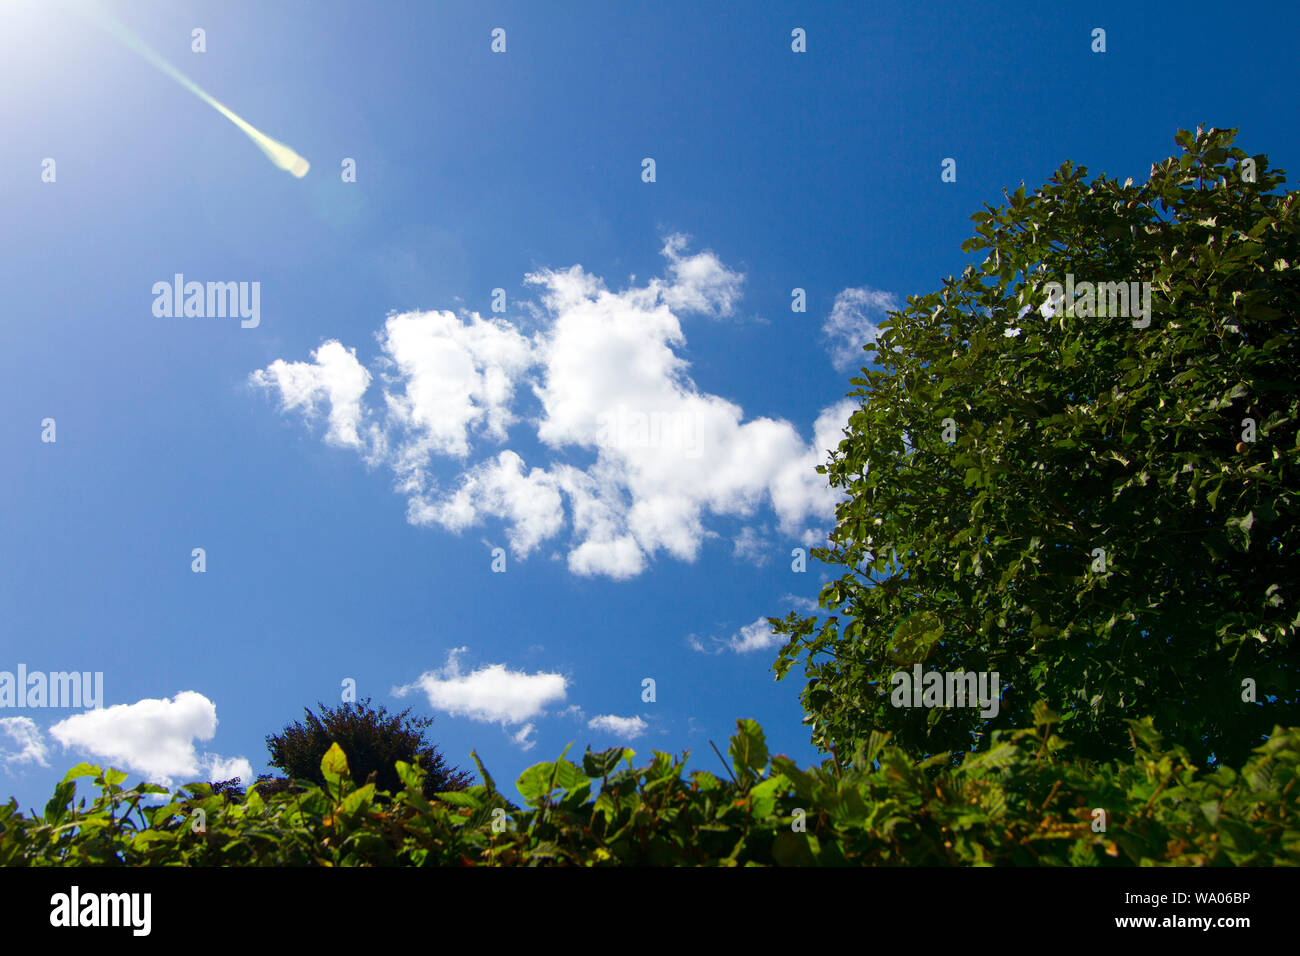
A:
[348,496]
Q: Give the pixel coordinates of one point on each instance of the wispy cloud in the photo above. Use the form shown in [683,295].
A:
[854,321]
[802,604]
[522,739]
[751,546]
[31,747]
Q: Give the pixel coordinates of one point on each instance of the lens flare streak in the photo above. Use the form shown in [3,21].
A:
[281,155]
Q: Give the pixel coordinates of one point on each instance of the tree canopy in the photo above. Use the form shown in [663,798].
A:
[1099,506]
[372,739]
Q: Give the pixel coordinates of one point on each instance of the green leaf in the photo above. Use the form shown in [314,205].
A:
[334,768]
[706,781]
[411,776]
[568,775]
[601,764]
[763,797]
[114,777]
[793,849]
[802,781]
[57,808]
[1211,810]
[358,801]
[915,637]
[1043,714]
[748,749]
[537,782]
[534,783]
[82,770]
[460,798]
[1212,497]
[487,777]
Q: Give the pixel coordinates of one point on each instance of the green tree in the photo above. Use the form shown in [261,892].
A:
[998,453]
[373,741]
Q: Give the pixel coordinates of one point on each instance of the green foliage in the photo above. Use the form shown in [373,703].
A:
[1017,803]
[1122,687]
[374,741]
[1079,433]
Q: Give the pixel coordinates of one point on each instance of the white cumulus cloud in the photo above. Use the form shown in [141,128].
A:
[457,377]
[625,728]
[335,377]
[755,637]
[700,283]
[152,738]
[636,459]
[493,693]
[530,503]
[218,769]
[749,639]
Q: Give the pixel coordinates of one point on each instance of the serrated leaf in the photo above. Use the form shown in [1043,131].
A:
[603,763]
